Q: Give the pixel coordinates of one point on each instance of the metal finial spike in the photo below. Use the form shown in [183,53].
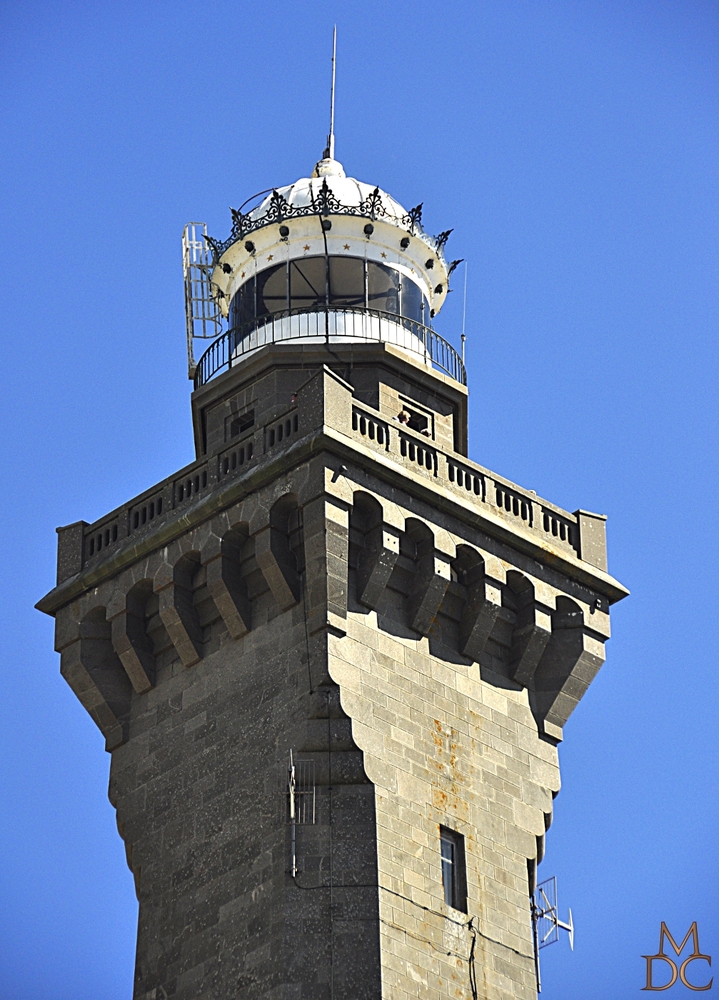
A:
[329,153]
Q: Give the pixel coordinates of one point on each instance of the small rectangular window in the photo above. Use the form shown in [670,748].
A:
[419,418]
[242,423]
[417,421]
[454,871]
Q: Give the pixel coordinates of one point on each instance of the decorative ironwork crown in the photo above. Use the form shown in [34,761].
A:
[279,209]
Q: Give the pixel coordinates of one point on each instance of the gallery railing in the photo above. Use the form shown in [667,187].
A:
[333,323]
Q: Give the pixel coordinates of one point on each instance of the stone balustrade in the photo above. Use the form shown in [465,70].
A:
[579,535]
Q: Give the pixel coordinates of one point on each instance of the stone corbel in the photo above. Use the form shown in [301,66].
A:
[376,561]
[221,559]
[484,601]
[126,615]
[179,615]
[529,637]
[277,564]
[326,544]
[430,584]
[96,676]
[569,664]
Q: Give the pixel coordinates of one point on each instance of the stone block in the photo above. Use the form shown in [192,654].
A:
[70,542]
[592,538]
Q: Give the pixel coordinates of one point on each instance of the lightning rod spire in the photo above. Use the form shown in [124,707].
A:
[329,153]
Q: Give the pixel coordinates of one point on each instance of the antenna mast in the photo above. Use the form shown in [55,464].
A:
[464,310]
[292,789]
[330,151]
[545,921]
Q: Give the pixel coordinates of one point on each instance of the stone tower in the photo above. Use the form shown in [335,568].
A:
[332,658]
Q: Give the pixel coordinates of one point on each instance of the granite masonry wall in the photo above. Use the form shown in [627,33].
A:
[416,647]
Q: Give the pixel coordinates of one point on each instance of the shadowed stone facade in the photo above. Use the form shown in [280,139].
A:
[415,629]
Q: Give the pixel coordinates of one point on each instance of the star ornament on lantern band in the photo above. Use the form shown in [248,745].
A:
[347,246]
[384,255]
[306,246]
[270,256]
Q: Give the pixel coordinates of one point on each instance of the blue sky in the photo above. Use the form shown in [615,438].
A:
[573,148]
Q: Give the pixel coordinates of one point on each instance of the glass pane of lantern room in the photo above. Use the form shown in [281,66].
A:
[411,300]
[272,290]
[347,282]
[382,288]
[242,310]
[308,279]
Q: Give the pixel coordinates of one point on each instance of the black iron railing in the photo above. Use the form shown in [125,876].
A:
[332,325]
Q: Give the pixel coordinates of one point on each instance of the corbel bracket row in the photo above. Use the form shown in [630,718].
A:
[106,659]
[553,653]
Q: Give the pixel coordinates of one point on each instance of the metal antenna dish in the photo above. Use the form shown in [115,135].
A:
[545,921]
[203,319]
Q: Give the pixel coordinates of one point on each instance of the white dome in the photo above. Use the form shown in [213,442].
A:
[348,192]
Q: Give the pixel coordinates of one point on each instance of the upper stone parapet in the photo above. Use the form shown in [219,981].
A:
[324,416]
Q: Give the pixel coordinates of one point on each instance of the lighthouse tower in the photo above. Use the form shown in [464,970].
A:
[333,657]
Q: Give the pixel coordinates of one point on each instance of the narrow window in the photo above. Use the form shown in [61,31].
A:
[454,875]
[417,421]
[242,423]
